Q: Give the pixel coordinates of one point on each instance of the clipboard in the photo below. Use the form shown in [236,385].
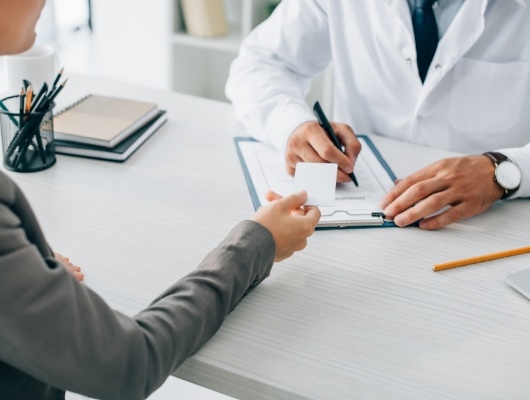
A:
[264,169]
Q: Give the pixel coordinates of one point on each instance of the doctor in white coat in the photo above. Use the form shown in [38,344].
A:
[472,97]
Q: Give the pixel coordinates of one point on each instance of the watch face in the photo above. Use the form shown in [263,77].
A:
[508,175]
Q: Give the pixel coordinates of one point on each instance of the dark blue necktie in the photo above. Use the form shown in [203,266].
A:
[425,33]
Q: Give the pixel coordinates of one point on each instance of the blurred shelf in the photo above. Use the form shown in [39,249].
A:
[200,66]
[229,42]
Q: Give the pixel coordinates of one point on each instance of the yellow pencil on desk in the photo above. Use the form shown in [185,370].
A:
[478,259]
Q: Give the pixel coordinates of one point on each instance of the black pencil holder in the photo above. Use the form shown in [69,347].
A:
[27,139]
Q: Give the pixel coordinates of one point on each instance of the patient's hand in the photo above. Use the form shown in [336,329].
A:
[73,269]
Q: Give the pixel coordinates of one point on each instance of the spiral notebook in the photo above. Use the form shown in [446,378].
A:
[122,151]
[102,120]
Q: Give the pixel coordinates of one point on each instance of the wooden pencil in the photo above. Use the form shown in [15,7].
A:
[478,259]
[29,99]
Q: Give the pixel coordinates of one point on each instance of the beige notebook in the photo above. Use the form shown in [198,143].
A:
[102,120]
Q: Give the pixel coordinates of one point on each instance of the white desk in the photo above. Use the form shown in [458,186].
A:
[358,315]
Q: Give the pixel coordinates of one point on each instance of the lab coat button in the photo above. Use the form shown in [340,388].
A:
[438,67]
[408,61]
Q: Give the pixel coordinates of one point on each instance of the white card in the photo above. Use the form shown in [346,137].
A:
[520,281]
[318,180]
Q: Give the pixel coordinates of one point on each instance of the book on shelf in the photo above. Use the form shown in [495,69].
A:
[122,151]
[102,120]
[204,18]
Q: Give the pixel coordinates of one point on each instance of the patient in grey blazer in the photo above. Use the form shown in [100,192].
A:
[56,334]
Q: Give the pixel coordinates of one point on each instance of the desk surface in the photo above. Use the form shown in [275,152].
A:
[358,314]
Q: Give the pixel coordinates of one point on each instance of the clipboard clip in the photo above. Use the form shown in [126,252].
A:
[345,219]
[369,214]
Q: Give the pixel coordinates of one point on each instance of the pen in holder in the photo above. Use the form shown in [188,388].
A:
[27,137]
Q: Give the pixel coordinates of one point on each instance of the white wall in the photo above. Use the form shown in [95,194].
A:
[130,41]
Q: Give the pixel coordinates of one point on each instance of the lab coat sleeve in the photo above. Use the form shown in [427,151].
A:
[271,76]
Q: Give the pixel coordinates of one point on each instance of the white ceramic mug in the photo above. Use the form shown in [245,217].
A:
[37,65]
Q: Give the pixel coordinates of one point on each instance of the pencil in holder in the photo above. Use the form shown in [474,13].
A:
[27,138]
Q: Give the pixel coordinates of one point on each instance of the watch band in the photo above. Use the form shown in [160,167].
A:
[498,158]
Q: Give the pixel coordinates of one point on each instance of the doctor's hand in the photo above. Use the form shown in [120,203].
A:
[465,184]
[309,143]
[289,222]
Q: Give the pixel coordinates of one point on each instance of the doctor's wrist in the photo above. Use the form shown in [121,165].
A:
[506,174]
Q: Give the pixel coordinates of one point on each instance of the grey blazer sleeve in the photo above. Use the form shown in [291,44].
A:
[62,333]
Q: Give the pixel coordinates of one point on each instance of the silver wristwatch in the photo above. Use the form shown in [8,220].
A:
[507,173]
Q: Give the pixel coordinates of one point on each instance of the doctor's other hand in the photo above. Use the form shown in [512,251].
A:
[309,143]
[289,222]
[463,185]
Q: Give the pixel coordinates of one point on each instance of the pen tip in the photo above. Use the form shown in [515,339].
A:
[354,180]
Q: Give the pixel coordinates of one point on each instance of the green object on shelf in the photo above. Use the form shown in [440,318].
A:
[269,8]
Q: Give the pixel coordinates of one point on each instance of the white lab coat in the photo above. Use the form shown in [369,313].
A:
[476,96]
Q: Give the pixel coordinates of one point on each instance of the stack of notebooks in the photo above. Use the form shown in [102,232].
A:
[108,128]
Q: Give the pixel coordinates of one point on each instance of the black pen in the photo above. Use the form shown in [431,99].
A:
[51,96]
[41,95]
[22,100]
[56,81]
[324,123]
